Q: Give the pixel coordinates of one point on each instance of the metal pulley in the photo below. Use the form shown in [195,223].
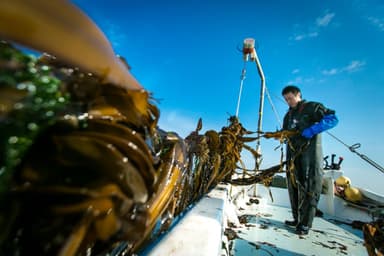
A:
[249,52]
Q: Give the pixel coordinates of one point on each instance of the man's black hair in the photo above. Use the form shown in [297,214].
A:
[290,88]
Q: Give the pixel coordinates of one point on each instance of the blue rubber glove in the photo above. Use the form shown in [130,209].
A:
[328,122]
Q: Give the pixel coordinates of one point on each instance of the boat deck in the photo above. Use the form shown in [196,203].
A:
[262,232]
[230,222]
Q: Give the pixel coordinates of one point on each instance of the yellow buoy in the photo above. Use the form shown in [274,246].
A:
[353,194]
[343,181]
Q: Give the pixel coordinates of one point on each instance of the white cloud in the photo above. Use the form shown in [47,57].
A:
[298,37]
[297,80]
[377,22]
[331,72]
[325,20]
[115,34]
[353,66]
[295,71]
[304,36]
[177,122]
[313,30]
[313,34]
[301,80]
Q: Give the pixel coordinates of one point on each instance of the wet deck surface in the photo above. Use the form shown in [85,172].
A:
[263,232]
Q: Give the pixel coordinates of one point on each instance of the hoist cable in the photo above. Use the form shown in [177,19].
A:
[242,78]
[273,106]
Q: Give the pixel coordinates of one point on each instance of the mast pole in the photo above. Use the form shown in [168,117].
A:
[249,53]
[262,94]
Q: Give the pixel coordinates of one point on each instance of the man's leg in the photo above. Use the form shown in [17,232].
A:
[293,198]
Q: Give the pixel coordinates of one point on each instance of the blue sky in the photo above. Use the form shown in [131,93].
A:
[186,54]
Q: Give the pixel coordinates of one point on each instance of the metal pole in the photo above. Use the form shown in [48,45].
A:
[261,109]
[262,93]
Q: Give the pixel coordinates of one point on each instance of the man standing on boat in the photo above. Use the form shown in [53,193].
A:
[304,155]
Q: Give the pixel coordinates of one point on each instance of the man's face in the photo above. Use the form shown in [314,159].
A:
[292,99]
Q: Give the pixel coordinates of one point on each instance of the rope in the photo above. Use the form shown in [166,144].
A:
[273,106]
[242,78]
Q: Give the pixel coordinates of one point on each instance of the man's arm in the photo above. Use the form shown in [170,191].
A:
[327,122]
